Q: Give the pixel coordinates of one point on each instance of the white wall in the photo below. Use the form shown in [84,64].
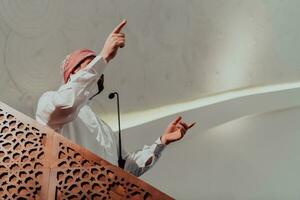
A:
[177,51]
[251,158]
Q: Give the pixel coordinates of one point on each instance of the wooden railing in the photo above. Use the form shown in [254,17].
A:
[38,163]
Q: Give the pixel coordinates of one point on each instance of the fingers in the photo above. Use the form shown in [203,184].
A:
[182,130]
[118,39]
[114,41]
[119,27]
[175,121]
[184,125]
[120,35]
[191,125]
[120,43]
[187,126]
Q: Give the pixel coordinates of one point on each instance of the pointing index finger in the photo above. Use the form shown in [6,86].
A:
[190,126]
[120,26]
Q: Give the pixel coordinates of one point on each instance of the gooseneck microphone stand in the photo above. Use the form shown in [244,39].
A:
[121,161]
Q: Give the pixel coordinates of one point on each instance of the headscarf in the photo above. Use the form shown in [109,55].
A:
[72,60]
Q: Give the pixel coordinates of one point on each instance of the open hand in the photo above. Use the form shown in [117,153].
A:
[175,131]
[114,41]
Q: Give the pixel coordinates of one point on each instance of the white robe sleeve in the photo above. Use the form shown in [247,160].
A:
[57,108]
[138,162]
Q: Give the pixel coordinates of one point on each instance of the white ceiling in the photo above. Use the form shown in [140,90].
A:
[253,158]
[213,60]
[176,52]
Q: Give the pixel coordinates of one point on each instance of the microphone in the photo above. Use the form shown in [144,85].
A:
[111,95]
[121,161]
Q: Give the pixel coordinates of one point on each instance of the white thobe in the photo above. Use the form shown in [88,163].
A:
[68,112]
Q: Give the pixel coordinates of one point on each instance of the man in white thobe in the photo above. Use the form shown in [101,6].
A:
[68,110]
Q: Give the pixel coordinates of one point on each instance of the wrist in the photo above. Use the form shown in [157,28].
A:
[163,140]
[105,57]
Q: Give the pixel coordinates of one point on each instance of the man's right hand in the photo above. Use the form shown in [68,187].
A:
[114,41]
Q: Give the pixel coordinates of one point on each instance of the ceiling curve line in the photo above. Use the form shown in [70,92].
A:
[217,109]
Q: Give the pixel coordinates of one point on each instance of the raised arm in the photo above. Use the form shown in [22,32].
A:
[59,107]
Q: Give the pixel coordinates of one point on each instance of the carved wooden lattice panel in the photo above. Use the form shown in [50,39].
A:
[37,163]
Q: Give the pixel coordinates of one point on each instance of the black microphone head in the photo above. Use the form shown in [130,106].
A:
[111,95]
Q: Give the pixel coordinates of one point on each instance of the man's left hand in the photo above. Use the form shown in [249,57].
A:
[175,131]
